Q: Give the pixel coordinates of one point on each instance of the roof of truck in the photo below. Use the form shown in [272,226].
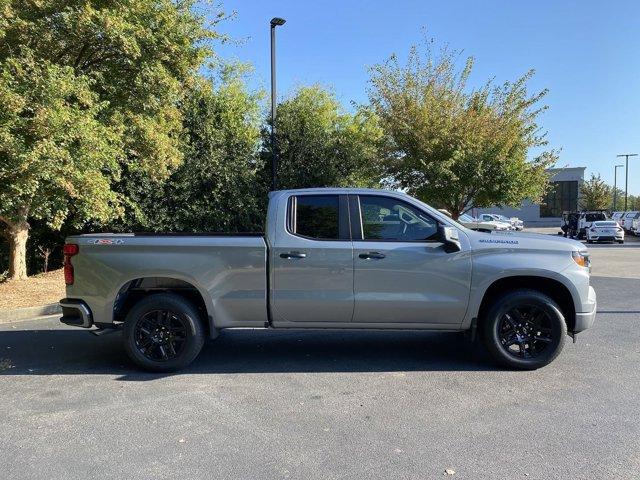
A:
[337,190]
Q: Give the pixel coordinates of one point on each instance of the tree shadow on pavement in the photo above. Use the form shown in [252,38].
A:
[75,352]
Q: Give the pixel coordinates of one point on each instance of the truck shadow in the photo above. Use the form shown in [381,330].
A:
[73,352]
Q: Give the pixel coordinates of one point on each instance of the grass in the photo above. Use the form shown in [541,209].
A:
[41,289]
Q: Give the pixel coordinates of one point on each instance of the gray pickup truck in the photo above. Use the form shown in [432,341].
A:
[332,258]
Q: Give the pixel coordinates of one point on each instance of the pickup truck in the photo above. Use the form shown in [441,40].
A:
[332,259]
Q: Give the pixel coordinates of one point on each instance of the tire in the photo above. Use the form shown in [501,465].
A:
[174,333]
[500,327]
[620,242]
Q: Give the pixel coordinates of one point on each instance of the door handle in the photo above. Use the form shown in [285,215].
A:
[293,255]
[372,255]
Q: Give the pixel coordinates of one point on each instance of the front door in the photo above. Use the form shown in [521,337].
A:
[402,274]
[313,262]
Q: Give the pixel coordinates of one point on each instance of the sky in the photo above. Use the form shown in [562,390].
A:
[586,53]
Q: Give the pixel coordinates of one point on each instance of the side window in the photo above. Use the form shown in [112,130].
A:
[385,218]
[316,216]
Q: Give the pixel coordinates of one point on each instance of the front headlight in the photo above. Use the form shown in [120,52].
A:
[581,258]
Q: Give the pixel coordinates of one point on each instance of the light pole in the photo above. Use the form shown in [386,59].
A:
[626,175]
[275,22]
[615,185]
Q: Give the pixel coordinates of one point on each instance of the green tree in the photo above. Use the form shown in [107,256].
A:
[88,87]
[619,199]
[595,194]
[453,146]
[219,186]
[55,154]
[319,144]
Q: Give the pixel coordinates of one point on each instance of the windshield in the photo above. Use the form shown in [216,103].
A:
[466,218]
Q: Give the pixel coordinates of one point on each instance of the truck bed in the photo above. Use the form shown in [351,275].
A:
[228,271]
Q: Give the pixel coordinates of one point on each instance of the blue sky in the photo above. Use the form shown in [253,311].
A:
[585,52]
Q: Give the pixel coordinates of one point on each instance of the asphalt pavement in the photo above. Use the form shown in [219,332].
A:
[324,405]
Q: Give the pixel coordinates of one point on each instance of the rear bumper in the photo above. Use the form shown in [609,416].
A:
[586,318]
[76,313]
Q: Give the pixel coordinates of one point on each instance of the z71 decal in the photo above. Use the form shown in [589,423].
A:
[106,241]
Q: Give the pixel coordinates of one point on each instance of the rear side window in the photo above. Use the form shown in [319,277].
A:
[594,217]
[316,216]
[385,218]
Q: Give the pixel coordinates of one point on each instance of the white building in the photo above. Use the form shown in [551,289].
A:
[563,195]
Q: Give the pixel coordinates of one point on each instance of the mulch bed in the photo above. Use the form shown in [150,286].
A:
[41,289]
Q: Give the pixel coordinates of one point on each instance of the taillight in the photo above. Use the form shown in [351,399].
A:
[69,250]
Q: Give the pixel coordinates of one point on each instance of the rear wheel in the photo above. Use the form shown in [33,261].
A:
[524,329]
[163,333]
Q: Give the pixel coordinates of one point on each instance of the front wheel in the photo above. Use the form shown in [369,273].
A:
[524,329]
[163,333]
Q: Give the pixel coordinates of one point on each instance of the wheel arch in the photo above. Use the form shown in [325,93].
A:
[560,292]
[133,290]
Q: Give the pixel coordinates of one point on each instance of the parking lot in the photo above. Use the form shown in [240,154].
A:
[328,404]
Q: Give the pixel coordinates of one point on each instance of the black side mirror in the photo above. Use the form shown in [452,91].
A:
[449,236]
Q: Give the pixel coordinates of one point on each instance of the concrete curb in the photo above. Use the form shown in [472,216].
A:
[29,313]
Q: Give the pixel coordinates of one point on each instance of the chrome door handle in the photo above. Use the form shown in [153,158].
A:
[372,255]
[293,255]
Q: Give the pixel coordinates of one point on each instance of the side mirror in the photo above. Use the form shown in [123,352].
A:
[449,236]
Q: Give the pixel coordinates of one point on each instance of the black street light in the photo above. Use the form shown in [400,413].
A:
[626,175]
[615,185]
[275,22]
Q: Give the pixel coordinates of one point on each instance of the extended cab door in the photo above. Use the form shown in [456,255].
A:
[402,273]
[312,262]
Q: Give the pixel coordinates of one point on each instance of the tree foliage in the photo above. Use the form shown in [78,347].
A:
[319,144]
[454,146]
[595,194]
[218,187]
[87,87]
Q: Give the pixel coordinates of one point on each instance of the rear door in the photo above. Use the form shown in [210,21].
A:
[312,262]
[402,274]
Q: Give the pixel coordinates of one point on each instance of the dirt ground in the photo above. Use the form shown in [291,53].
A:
[38,290]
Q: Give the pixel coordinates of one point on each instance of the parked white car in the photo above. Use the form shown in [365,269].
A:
[605,231]
[586,220]
[635,227]
[515,222]
[490,217]
[617,216]
[627,220]
[482,225]
[630,221]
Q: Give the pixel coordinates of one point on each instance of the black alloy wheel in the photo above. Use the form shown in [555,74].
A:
[163,332]
[524,329]
[161,335]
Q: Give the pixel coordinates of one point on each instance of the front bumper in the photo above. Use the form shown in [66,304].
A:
[76,313]
[586,318]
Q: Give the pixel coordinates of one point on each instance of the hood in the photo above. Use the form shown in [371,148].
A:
[517,240]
